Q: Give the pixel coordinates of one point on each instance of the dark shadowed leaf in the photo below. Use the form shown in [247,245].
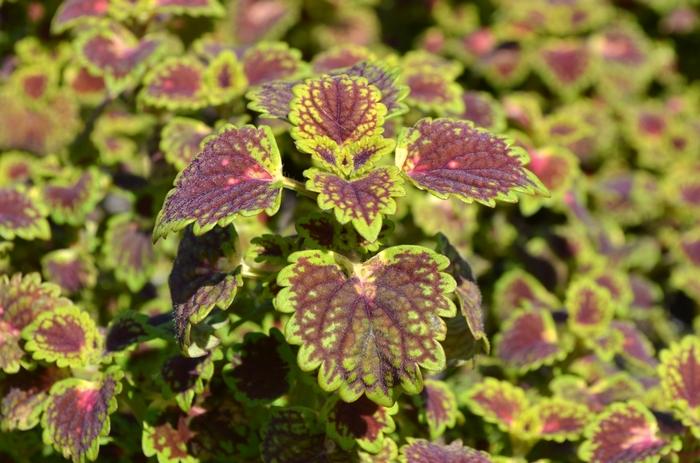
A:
[394,301]
[24,397]
[186,377]
[128,250]
[498,402]
[238,173]
[422,451]
[363,200]
[625,432]
[181,140]
[22,215]
[362,422]
[77,416]
[126,329]
[680,379]
[451,157]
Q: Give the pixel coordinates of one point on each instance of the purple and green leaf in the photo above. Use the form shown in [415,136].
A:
[181,139]
[74,12]
[272,99]
[176,83]
[24,397]
[422,451]
[73,195]
[517,289]
[128,250]
[126,329]
[498,402]
[433,92]
[185,377]
[256,20]
[224,78]
[439,407]
[362,423]
[679,372]
[272,61]
[167,442]
[238,173]
[70,269]
[393,302]
[196,8]
[590,308]
[448,157]
[340,57]
[386,79]
[22,215]
[566,65]
[556,419]
[483,110]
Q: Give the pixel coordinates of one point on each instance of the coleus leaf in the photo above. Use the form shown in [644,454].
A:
[439,407]
[556,419]
[67,336]
[332,115]
[294,434]
[167,442]
[181,139]
[22,300]
[386,79]
[18,167]
[339,57]
[185,377]
[224,78]
[529,340]
[128,251]
[204,276]
[89,89]
[432,91]
[271,61]
[423,60]
[387,454]
[77,415]
[590,308]
[625,432]
[322,231]
[566,65]
[69,268]
[636,347]
[362,422]
[176,83]
[422,451]
[272,99]
[73,12]
[74,194]
[505,65]
[239,172]
[24,397]
[35,83]
[516,289]
[557,168]
[483,110]
[498,402]
[125,329]
[362,200]
[368,326]
[208,8]
[255,20]
[260,370]
[679,372]
[115,54]
[22,215]
[448,157]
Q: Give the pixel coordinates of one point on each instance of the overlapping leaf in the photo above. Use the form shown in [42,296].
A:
[128,250]
[181,139]
[517,288]
[167,442]
[625,432]
[209,8]
[422,451]
[367,326]
[448,157]
[680,379]
[362,423]
[255,20]
[273,99]
[483,110]
[339,57]
[24,398]
[431,91]
[386,79]
[237,173]
[566,65]
[77,416]
[185,377]
[73,12]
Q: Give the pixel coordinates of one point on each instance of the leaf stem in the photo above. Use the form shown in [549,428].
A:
[297,186]
[255,274]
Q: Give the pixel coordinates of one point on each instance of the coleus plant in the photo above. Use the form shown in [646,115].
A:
[252,230]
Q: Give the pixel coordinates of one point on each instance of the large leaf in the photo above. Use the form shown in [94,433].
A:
[422,451]
[77,416]
[362,200]
[449,157]
[367,326]
[22,215]
[680,379]
[239,172]
[625,432]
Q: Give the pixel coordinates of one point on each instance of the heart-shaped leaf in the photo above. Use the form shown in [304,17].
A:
[239,172]
[517,289]
[181,140]
[22,215]
[67,336]
[566,65]
[176,83]
[422,451]
[224,78]
[69,268]
[368,326]
[204,276]
[128,251]
[362,201]
[625,432]
[432,91]
[680,379]
[448,157]
[77,416]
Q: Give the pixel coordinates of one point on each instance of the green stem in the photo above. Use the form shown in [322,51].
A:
[297,186]
[249,272]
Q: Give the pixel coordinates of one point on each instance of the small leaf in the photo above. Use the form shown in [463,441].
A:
[18,167]
[22,300]
[70,269]
[322,231]
[260,371]
[22,215]
[196,8]
[430,91]
[679,372]
[255,20]
[387,454]
[181,140]
[176,83]
[168,443]
[128,251]
[483,110]
[25,396]
[590,308]
[394,301]
[497,402]
[450,157]
[272,99]
[517,289]
[224,78]
[529,340]
[362,201]
[74,194]
[566,66]
[556,420]
[333,112]
[271,61]
[625,432]
[77,416]
[636,347]
[185,377]
[439,407]
[386,79]
[203,277]
[88,88]
[505,65]
[422,451]
[362,422]
[339,57]
[66,336]
[73,12]
[238,173]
